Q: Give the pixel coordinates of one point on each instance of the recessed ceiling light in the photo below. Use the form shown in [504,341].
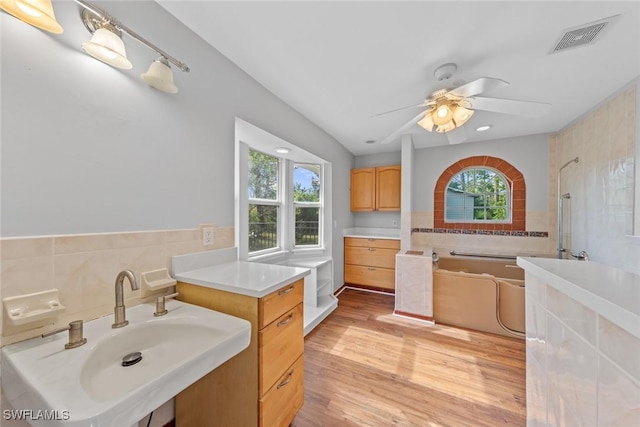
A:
[483,128]
[282,150]
[369,141]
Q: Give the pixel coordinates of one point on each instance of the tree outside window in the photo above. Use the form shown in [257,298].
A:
[307,203]
[264,201]
[477,195]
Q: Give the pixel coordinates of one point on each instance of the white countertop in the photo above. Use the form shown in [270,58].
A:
[610,292]
[243,277]
[372,233]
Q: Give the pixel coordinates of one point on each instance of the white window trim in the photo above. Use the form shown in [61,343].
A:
[248,136]
[294,205]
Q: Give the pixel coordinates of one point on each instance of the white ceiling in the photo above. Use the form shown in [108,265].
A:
[339,63]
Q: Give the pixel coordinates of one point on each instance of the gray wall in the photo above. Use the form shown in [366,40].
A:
[88,148]
[529,154]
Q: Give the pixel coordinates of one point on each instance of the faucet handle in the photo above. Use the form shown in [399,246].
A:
[581,256]
[75,334]
[160,301]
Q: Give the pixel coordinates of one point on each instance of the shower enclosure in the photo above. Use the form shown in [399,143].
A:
[562,198]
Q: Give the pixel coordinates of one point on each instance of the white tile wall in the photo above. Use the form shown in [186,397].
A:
[602,183]
[582,370]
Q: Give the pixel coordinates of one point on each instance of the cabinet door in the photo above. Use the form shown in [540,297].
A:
[388,188]
[363,189]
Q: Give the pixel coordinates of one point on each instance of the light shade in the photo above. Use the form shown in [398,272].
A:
[38,13]
[160,76]
[108,47]
[445,117]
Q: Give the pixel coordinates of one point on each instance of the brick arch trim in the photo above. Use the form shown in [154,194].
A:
[515,180]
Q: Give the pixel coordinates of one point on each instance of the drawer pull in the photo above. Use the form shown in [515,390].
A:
[371,269]
[286,321]
[372,249]
[287,380]
[285,291]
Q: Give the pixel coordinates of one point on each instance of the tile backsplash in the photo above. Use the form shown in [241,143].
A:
[84,267]
[540,243]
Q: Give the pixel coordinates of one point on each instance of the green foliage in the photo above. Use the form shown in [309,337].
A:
[489,191]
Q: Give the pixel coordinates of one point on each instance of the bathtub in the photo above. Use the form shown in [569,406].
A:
[481,294]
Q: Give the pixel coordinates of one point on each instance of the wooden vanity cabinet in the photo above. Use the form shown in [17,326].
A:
[370,262]
[263,384]
[376,189]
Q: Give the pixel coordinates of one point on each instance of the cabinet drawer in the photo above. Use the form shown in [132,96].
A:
[372,243]
[371,276]
[372,257]
[283,401]
[278,302]
[280,344]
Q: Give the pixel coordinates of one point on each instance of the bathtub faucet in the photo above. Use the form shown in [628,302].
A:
[581,256]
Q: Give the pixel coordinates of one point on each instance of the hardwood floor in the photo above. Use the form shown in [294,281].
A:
[366,367]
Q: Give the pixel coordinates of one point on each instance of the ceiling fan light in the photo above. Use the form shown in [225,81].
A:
[427,122]
[38,13]
[446,127]
[461,115]
[107,47]
[442,114]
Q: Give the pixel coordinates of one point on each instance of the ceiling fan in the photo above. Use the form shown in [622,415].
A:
[448,110]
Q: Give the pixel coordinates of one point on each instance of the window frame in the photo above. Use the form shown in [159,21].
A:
[279,202]
[285,232]
[319,205]
[518,196]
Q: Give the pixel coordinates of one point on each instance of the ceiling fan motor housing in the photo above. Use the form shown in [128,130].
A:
[444,72]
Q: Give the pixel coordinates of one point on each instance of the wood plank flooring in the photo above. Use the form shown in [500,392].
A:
[366,367]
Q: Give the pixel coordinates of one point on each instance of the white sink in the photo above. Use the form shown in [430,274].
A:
[88,384]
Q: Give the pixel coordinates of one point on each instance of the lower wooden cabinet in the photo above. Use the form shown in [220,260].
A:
[370,262]
[262,385]
[283,401]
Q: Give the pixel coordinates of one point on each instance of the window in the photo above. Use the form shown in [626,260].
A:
[478,194]
[306,204]
[264,202]
[285,204]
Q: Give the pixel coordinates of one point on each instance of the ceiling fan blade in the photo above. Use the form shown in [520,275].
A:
[457,135]
[483,84]
[422,104]
[510,106]
[404,127]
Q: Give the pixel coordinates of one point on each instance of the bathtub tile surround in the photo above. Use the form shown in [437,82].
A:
[536,240]
[84,267]
[601,184]
[414,284]
[483,232]
[582,343]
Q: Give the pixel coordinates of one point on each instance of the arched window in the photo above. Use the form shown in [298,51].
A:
[480,192]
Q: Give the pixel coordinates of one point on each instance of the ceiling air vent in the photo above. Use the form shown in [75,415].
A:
[584,34]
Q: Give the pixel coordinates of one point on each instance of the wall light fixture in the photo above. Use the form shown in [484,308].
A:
[38,13]
[160,76]
[106,41]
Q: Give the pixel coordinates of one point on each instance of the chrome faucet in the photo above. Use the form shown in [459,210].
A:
[119,310]
[581,256]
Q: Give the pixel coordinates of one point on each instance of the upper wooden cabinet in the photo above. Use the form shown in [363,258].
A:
[375,189]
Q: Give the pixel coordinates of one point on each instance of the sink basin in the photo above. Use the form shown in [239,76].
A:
[88,385]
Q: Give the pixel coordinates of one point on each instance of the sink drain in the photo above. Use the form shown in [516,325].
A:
[131,358]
